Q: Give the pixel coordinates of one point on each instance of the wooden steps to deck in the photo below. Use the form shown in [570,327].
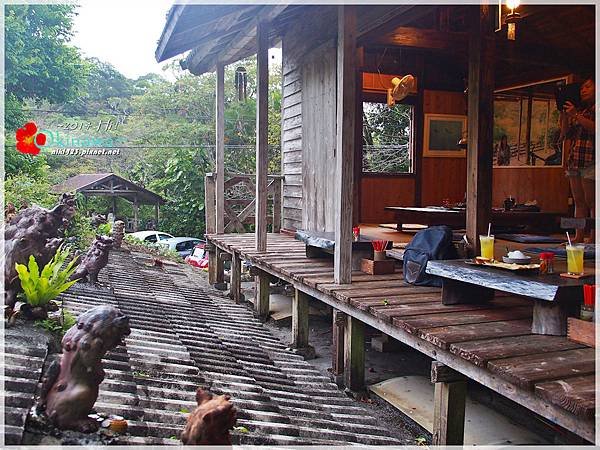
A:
[495,337]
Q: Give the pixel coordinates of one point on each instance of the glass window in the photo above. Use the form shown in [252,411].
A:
[162,236]
[387,138]
[151,238]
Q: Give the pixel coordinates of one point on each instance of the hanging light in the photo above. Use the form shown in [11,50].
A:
[512,18]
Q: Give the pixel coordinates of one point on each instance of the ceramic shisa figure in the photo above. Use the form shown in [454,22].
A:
[33,231]
[94,260]
[118,233]
[210,422]
[9,212]
[70,388]
[97,220]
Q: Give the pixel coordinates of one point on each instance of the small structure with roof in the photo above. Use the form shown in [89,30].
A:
[112,185]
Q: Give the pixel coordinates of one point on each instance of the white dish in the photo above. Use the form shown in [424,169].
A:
[507,260]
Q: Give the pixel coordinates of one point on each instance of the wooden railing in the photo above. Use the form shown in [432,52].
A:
[240,202]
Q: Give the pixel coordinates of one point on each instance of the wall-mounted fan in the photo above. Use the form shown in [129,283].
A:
[401,88]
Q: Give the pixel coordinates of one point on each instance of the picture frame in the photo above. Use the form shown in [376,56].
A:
[441,135]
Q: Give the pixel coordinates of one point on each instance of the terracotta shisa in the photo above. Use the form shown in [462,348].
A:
[210,422]
[33,231]
[70,388]
[94,260]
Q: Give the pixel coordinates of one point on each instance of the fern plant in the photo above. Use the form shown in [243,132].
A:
[40,288]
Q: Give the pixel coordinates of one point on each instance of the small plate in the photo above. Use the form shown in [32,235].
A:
[508,260]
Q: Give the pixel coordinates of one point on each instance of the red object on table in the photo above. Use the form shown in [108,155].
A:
[356,233]
[589,294]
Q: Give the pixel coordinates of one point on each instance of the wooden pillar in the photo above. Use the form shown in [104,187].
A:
[157,214]
[449,405]
[220,148]
[236,278]
[354,354]
[220,283]
[135,213]
[480,123]
[210,203]
[261,294]
[262,132]
[114,207]
[212,262]
[337,355]
[300,306]
[345,143]
[277,194]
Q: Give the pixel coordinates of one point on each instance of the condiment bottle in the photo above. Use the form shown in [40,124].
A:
[587,309]
[546,262]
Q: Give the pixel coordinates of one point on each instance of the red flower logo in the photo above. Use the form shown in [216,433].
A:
[28,139]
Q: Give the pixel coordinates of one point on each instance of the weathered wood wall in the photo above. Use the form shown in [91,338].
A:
[309,120]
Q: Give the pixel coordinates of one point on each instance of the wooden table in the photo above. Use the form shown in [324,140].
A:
[555,298]
[456,217]
[320,244]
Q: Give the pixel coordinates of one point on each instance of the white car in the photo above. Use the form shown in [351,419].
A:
[182,245]
[151,236]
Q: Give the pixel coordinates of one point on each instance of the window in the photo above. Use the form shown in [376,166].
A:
[162,236]
[387,138]
[151,238]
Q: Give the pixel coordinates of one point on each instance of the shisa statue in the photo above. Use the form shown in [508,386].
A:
[210,422]
[94,260]
[97,220]
[118,233]
[33,231]
[70,388]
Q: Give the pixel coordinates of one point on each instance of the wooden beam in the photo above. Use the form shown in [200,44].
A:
[300,320]
[423,38]
[449,400]
[261,298]
[354,355]
[220,148]
[156,214]
[210,203]
[235,282]
[381,24]
[262,133]
[220,283]
[136,209]
[480,123]
[337,353]
[345,143]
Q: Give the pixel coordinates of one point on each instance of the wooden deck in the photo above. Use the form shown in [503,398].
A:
[491,344]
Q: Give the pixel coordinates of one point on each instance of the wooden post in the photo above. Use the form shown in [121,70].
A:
[480,123]
[261,294]
[212,263]
[345,143]
[157,214]
[354,354]
[210,203]
[448,405]
[277,205]
[337,355]
[220,283]
[262,132]
[236,278]
[114,207]
[135,213]
[220,148]
[300,306]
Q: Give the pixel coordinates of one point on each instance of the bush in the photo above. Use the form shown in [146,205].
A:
[80,231]
[40,288]
[23,188]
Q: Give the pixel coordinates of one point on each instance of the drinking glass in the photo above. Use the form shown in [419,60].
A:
[487,246]
[575,259]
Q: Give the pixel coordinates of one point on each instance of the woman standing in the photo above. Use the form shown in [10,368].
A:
[581,127]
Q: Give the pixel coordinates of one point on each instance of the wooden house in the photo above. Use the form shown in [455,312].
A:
[336,59]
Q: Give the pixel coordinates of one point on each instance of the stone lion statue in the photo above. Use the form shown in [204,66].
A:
[210,422]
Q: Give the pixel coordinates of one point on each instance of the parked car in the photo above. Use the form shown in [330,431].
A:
[182,245]
[150,236]
[198,258]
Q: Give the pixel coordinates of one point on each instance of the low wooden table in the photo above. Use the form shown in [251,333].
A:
[321,244]
[555,298]
[456,217]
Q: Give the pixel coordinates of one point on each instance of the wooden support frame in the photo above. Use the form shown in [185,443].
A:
[212,266]
[449,401]
[300,318]
[354,354]
[220,148]
[480,123]
[345,143]
[261,294]
[209,204]
[220,283]
[136,211]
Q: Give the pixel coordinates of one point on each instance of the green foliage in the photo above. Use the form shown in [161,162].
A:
[60,325]
[80,229]
[104,229]
[40,288]
[23,188]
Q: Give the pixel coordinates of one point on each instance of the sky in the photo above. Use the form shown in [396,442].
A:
[124,33]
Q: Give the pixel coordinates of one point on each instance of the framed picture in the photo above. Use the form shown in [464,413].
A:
[442,133]
[526,126]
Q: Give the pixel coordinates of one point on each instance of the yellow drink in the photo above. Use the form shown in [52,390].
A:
[575,259]
[487,246]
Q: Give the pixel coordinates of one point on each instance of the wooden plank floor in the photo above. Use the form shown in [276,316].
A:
[495,336]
